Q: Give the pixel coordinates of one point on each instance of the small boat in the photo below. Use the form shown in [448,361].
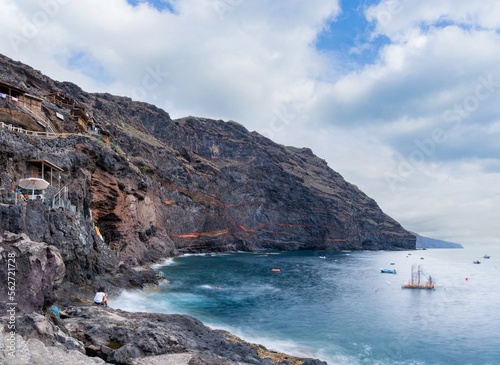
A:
[322,257]
[476,262]
[393,263]
[486,257]
[388,271]
[415,283]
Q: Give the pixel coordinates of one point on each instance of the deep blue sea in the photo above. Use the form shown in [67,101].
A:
[341,309]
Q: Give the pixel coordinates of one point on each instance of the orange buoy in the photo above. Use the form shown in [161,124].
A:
[275,270]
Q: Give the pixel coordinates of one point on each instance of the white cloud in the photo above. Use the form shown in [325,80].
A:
[255,62]
[397,18]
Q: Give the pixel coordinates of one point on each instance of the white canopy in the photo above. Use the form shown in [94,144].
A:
[33,184]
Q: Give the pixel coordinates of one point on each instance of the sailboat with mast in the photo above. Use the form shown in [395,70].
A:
[417,279]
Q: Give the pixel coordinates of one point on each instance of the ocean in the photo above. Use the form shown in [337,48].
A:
[341,308]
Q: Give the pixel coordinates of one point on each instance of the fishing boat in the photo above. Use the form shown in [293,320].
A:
[416,281]
[388,271]
[476,262]
[486,256]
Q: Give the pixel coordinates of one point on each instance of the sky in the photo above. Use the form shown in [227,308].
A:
[401,97]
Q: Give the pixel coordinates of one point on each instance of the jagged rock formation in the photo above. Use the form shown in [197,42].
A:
[156,187]
[114,336]
[38,270]
[195,184]
[59,257]
[42,340]
[70,241]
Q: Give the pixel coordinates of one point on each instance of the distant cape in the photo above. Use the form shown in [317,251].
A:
[426,242]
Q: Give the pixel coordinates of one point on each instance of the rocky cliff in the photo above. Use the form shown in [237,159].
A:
[154,187]
[157,186]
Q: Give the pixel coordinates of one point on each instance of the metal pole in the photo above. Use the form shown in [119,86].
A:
[59,189]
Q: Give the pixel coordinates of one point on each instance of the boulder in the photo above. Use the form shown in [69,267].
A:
[39,270]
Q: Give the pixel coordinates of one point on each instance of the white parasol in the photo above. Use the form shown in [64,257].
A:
[33,184]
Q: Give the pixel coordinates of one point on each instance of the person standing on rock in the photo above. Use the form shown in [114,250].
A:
[101,298]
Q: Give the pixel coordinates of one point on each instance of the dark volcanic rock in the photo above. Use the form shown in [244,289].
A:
[88,262]
[30,273]
[120,337]
[90,335]
[98,178]
[161,185]
[155,187]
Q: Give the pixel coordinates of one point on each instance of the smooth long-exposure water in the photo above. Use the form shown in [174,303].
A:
[341,308]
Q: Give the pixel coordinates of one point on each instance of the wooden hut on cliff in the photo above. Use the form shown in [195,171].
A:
[80,114]
[10,92]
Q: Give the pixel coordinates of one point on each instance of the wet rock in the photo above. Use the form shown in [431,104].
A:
[133,338]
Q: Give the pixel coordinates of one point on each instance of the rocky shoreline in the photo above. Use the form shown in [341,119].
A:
[97,335]
[134,186]
[87,334]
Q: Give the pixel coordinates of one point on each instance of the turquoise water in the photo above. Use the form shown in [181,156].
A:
[341,309]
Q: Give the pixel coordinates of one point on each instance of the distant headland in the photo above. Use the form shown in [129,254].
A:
[426,242]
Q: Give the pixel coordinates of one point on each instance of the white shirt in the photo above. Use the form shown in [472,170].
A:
[99,297]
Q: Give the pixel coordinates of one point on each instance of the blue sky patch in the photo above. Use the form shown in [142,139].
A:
[348,37]
[89,66]
[160,5]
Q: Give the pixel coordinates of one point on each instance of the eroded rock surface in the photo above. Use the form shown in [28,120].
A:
[149,338]
[96,335]
[157,186]
[36,270]
[75,261]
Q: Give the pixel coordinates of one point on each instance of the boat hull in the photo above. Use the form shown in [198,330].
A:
[418,286]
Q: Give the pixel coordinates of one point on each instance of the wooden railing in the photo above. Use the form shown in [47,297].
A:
[41,118]
[35,133]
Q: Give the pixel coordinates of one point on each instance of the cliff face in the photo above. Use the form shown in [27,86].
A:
[40,270]
[162,186]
